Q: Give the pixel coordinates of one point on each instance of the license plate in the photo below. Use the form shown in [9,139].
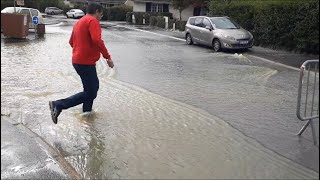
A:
[244,42]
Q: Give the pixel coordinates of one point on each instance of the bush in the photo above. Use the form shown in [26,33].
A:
[153,20]
[161,23]
[157,21]
[129,17]
[285,24]
[181,25]
[116,13]
[83,7]
[139,16]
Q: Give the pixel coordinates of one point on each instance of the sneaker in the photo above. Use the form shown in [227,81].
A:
[54,112]
[86,114]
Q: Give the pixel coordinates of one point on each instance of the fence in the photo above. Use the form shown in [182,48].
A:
[308,96]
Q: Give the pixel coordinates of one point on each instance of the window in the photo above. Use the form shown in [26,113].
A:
[34,12]
[192,21]
[206,23]
[156,7]
[198,22]
[25,11]
[224,23]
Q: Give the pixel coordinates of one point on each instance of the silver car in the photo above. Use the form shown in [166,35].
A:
[53,10]
[218,32]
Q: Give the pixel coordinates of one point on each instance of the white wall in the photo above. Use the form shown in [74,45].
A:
[139,7]
[186,13]
[129,3]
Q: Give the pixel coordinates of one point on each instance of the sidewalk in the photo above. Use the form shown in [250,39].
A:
[24,155]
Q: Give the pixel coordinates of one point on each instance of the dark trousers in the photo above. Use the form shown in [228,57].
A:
[90,82]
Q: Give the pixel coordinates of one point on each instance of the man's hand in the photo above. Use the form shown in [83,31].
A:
[110,63]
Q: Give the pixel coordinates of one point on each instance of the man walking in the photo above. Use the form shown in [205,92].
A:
[87,46]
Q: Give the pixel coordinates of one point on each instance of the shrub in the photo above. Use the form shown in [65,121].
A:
[287,24]
[116,13]
[139,16]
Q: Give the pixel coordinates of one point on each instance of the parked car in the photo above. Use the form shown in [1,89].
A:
[53,10]
[28,11]
[75,13]
[218,32]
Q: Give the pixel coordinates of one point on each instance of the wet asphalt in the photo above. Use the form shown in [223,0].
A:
[255,99]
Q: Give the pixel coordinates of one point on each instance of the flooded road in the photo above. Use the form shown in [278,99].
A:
[156,113]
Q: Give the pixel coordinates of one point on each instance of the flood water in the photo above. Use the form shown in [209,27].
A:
[134,133]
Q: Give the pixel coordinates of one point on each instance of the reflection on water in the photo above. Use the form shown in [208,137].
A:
[133,133]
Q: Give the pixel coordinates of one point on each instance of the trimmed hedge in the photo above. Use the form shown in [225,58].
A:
[139,16]
[159,21]
[116,13]
[284,24]
[129,17]
[181,25]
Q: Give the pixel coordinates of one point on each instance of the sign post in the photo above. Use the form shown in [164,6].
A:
[35,22]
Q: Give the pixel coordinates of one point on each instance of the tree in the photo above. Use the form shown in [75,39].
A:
[181,5]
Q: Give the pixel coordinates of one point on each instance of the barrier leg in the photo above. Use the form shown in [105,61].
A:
[304,128]
[313,133]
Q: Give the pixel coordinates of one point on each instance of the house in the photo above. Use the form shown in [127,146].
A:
[104,3]
[166,6]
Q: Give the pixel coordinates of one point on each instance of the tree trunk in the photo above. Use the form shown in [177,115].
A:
[180,11]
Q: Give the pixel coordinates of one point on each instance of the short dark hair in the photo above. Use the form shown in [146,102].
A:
[93,7]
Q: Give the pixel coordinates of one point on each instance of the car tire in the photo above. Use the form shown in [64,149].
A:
[52,13]
[216,44]
[189,40]
[73,17]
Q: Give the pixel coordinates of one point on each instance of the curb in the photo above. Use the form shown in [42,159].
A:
[64,165]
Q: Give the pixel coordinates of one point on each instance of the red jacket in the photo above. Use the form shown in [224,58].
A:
[86,42]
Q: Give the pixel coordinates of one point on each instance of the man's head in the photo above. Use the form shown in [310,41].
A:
[95,9]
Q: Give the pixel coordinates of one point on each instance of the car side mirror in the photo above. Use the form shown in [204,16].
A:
[209,28]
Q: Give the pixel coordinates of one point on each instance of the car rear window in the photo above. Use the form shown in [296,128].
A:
[192,21]
[25,11]
[34,12]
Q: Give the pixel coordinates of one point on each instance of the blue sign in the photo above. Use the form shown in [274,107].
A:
[35,20]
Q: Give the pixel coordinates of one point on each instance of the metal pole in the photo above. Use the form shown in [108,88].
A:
[14,5]
[313,133]
[304,128]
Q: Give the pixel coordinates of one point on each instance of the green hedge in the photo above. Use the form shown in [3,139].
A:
[139,16]
[157,21]
[129,17]
[181,25]
[281,24]
[116,13]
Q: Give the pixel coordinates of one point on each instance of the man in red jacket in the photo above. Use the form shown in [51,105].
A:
[87,46]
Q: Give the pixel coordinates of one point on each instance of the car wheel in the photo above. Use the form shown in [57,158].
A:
[189,39]
[52,13]
[73,16]
[216,45]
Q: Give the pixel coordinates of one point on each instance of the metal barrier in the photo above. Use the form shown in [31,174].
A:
[309,103]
